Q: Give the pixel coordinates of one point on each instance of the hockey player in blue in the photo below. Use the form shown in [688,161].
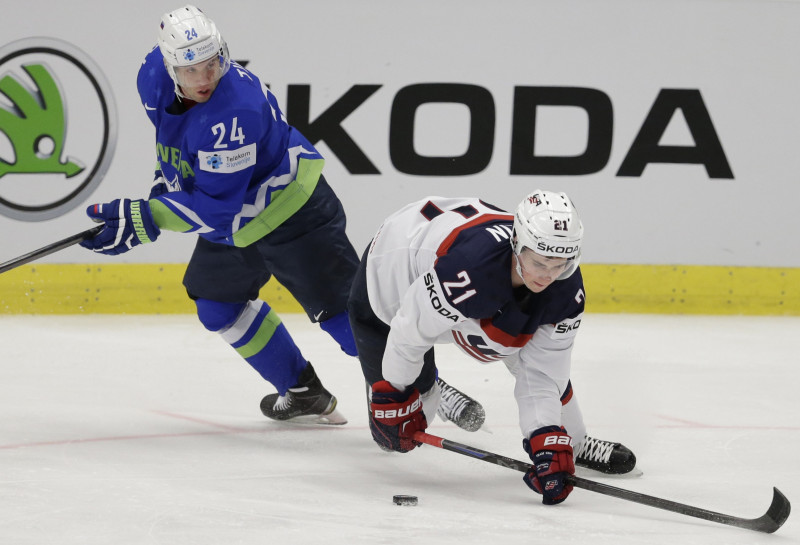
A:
[233,171]
[501,287]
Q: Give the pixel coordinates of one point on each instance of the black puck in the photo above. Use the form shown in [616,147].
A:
[404,500]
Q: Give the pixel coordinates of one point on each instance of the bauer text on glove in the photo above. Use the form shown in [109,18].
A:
[395,416]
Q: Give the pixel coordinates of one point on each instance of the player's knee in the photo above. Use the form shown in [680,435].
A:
[215,315]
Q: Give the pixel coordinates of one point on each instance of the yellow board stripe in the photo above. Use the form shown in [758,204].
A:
[109,289]
[664,289]
[647,289]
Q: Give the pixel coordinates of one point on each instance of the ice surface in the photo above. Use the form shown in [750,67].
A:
[146,430]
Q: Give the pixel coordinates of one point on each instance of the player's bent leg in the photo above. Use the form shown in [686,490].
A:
[215,315]
[589,452]
[572,417]
[255,331]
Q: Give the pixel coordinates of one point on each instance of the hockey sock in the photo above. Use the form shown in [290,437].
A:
[338,327]
[258,335]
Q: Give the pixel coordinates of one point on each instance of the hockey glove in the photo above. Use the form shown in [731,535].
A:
[127,224]
[395,416]
[551,452]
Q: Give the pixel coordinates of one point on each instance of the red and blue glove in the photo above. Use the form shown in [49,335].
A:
[551,452]
[395,416]
[127,224]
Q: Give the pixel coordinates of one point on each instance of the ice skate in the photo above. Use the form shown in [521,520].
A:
[606,457]
[308,402]
[459,408]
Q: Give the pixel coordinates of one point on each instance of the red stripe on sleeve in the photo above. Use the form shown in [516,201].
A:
[501,337]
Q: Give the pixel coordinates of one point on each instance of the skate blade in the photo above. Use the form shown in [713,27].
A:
[334,418]
[581,471]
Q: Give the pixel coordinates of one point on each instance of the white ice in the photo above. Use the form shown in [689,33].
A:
[146,430]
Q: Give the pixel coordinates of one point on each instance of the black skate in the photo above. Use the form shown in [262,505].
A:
[459,408]
[307,402]
[605,457]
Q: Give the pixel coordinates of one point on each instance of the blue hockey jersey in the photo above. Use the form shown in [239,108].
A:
[234,167]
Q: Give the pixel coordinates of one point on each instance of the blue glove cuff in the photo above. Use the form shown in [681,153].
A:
[142,219]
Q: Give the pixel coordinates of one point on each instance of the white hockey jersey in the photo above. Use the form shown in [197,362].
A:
[439,271]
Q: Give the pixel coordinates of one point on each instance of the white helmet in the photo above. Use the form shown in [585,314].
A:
[188,37]
[548,224]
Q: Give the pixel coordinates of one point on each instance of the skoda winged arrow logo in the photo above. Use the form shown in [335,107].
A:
[37,134]
[57,128]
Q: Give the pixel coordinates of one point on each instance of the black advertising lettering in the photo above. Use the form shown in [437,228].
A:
[328,125]
[596,143]
[707,150]
[480,103]
[598,146]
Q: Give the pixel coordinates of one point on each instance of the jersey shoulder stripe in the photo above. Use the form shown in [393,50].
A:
[448,241]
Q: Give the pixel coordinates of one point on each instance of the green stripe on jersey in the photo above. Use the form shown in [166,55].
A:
[166,218]
[284,203]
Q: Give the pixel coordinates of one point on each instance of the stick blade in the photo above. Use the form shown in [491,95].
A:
[776,515]
[769,522]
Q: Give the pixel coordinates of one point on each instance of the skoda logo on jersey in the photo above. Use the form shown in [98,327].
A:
[58,128]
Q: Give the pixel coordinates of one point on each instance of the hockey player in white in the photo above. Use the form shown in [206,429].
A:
[501,287]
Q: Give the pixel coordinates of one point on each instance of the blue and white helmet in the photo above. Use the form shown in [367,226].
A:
[187,37]
[548,223]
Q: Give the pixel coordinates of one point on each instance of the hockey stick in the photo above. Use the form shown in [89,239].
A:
[770,521]
[49,249]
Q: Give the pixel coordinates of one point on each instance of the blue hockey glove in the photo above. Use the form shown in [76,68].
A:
[551,452]
[395,416]
[127,224]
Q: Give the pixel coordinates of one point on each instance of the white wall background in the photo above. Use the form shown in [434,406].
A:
[740,54]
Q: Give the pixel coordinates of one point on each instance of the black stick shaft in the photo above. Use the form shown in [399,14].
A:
[775,516]
[49,249]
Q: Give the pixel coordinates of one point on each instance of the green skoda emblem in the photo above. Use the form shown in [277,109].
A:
[57,128]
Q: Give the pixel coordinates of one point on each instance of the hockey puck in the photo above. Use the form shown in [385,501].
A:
[404,500]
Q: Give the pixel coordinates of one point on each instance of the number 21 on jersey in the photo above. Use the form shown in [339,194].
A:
[449,287]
